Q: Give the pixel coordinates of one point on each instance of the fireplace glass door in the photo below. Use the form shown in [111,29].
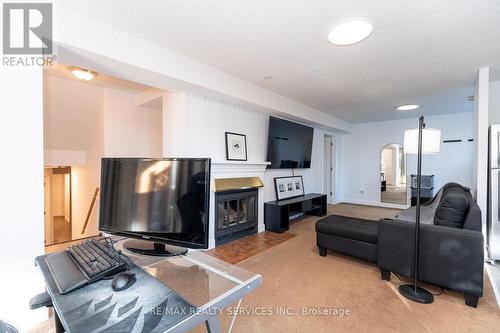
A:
[236,212]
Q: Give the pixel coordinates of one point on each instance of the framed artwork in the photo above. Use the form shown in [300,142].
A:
[236,147]
[288,187]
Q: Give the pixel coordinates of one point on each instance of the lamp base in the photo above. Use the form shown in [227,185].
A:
[421,296]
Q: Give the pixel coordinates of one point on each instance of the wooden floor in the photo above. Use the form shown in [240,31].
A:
[62,230]
[249,246]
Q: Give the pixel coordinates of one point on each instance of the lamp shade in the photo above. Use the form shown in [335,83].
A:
[431,141]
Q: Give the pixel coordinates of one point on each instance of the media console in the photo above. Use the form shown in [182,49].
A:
[277,214]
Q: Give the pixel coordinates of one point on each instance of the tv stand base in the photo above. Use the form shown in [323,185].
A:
[153,248]
[277,214]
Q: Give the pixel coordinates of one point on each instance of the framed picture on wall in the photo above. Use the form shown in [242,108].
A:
[288,187]
[236,147]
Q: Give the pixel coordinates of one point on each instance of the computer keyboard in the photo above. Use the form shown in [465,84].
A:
[84,263]
[96,258]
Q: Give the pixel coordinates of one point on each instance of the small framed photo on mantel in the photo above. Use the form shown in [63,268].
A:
[236,147]
[288,187]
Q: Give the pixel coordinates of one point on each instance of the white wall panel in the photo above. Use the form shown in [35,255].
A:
[208,120]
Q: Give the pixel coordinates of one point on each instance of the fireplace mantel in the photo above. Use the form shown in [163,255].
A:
[238,166]
[236,169]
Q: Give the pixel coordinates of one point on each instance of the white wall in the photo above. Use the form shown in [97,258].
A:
[80,116]
[174,118]
[21,198]
[494,108]
[202,134]
[360,155]
[130,130]
[208,120]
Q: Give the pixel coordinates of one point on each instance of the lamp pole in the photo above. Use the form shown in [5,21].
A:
[413,291]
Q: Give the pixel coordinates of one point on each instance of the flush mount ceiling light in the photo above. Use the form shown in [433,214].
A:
[82,73]
[407,107]
[350,32]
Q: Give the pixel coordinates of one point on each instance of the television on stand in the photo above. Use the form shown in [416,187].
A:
[161,203]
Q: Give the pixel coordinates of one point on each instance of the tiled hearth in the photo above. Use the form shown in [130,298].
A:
[247,247]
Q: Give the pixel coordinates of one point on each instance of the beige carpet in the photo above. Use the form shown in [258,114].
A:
[295,276]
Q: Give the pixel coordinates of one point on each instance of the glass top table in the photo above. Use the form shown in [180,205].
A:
[197,277]
[208,284]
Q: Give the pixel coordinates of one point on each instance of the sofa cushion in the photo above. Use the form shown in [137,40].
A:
[453,208]
[348,227]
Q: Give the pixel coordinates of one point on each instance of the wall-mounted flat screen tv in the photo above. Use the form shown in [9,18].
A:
[289,144]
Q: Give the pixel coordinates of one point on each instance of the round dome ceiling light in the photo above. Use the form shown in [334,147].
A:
[407,107]
[82,73]
[350,32]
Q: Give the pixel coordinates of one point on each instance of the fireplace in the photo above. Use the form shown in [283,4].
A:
[236,215]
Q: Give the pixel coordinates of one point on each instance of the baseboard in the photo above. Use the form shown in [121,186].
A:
[375,203]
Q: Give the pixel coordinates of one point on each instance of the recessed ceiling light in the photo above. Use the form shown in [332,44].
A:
[350,32]
[407,107]
[269,77]
[82,73]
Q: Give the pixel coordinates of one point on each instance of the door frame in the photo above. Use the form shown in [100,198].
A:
[405,170]
[329,168]
[48,219]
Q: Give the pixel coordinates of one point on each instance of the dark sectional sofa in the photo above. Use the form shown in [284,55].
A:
[451,242]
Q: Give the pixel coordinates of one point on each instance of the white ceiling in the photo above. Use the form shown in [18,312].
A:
[101,80]
[423,52]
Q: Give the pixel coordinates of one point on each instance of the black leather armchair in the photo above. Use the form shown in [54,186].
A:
[450,257]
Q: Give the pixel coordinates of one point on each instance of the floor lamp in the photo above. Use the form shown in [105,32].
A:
[419,141]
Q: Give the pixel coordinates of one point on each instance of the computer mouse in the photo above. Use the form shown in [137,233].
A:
[122,281]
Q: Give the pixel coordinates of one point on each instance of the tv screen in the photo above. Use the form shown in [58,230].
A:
[163,200]
[289,144]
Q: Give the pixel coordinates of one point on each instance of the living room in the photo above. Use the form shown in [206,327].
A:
[313,141]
